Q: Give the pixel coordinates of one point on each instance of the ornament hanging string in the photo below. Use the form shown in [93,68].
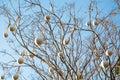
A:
[3,69]
[34,47]
[42,30]
[7,28]
[17,20]
[18,69]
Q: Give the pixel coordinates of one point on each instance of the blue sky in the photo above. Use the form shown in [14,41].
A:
[81,5]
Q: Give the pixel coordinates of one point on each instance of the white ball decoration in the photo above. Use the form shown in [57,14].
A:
[12,29]
[60,54]
[54,78]
[38,41]
[79,76]
[20,60]
[15,77]
[65,42]
[108,53]
[22,53]
[5,35]
[74,28]
[88,23]
[95,23]
[2,77]
[47,18]
[104,64]
[31,55]
[51,69]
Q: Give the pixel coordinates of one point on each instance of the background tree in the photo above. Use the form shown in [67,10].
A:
[57,44]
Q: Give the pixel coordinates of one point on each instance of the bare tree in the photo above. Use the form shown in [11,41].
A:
[58,44]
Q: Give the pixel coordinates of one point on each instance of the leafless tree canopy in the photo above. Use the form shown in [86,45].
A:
[58,43]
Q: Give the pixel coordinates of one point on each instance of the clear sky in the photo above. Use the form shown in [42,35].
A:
[82,5]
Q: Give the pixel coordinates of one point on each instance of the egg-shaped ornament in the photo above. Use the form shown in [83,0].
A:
[79,76]
[54,78]
[5,35]
[60,54]
[104,64]
[30,55]
[38,41]
[75,28]
[88,23]
[20,60]
[47,18]
[108,52]
[22,54]
[51,69]
[2,77]
[15,77]
[95,23]
[65,42]
[12,29]
[117,70]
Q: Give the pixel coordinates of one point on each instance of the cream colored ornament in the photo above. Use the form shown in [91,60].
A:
[79,76]
[117,70]
[87,23]
[47,18]
[108,53]
[51,69]
[54,78]
[30,55]
[22,54]
[74,28]
[2,77]
[60,54]
[113,14]
[62,25]
[38,41]
[95,23]
[118,63]
[15,77]
[12,29]
[20,60]
[104,64]
[5,35]
[65,42]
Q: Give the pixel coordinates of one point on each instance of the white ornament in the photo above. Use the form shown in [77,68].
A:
[60,54]
[54,78]
[22,54]
[20,60]
[30,55]
[15,77]
[38,41]
[12,29]
[74,28]
[47,18]
[87,23]
[65,42]
[104,64]
[79,76]
[95,23]
[2,77]
[108,53]
[5,35]
[50,69]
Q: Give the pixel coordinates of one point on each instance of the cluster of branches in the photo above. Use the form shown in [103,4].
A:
[52,41]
